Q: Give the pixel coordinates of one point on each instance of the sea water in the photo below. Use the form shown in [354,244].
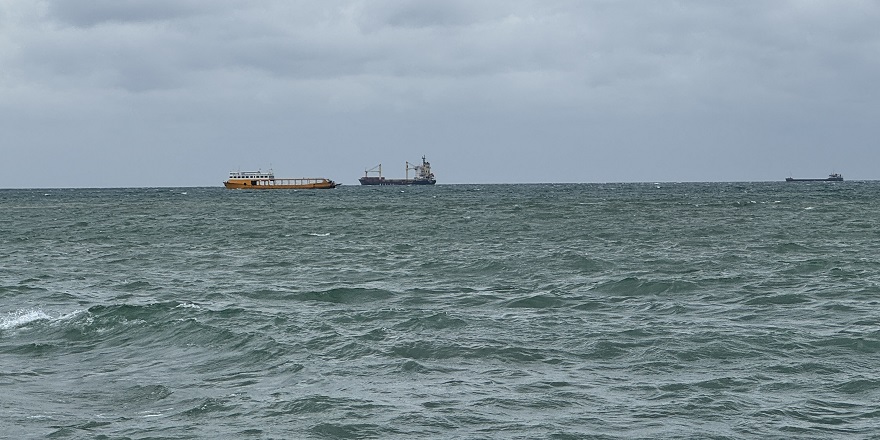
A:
[689,310]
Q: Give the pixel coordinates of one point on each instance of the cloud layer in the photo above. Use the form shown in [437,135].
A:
[179,92]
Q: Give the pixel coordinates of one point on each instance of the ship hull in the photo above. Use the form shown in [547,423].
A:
[381,181]
[830,179]
[329,184]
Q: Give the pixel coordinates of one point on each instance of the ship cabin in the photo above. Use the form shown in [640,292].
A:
[251,175]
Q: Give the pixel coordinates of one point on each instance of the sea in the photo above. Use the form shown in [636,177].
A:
[533,311]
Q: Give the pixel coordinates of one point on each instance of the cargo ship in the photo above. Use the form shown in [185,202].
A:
[423,175]
[834,177]
[261,180]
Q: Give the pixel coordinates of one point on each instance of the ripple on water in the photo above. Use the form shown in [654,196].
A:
[459,311]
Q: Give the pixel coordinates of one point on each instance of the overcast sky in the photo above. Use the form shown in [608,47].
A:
[110,93]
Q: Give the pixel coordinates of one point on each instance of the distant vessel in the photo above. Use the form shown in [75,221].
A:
[423,176]
[834,177]
[261,180]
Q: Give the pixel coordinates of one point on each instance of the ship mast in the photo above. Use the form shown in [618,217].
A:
[373,170]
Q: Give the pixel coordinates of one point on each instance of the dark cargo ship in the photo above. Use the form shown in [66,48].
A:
[423,175]
[835,177]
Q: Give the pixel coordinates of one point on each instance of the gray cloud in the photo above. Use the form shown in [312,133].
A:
[97,12]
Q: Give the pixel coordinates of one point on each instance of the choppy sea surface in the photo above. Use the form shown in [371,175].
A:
[612,311]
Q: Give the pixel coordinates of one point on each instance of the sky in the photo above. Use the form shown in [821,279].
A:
[178,93]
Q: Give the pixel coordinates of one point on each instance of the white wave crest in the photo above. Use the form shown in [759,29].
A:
[188,305]
[23,317]
[20,318]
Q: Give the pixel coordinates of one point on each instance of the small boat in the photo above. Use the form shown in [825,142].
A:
[423,175]
[833,177]
[261,180]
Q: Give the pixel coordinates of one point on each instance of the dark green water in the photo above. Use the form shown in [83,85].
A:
[745,310]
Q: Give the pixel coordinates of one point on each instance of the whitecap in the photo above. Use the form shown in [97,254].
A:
[70,315]
[315,234]
[39,417]
[21,318]
[188,306]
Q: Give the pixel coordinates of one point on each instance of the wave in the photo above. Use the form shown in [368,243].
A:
[778,299]
[535,302]
[344,295]
[436,321]
[633,286]
[351,430]
[434,350]
[21,318]
[24,317]
[859,343]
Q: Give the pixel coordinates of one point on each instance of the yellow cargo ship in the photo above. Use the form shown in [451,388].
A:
[261,180]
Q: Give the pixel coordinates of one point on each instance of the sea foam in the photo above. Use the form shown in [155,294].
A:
[20,318]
